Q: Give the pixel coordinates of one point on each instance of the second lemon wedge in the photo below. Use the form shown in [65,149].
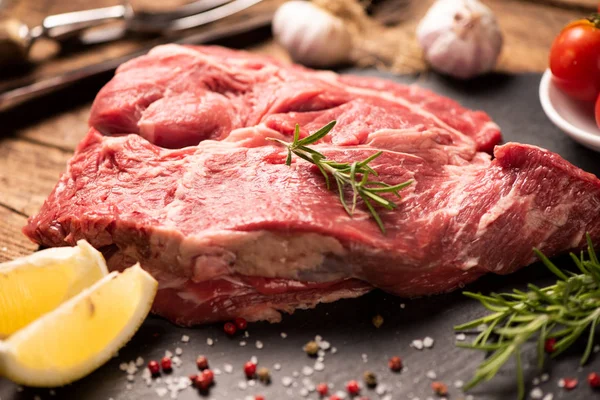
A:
[81,334]
[36,284]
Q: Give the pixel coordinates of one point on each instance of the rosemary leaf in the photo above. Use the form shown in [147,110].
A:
[356,175]
[565,311]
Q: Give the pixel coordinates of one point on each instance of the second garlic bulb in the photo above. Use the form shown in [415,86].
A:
[460,38]
[311,35]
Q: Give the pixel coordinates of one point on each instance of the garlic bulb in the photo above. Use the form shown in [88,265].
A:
[311,35]
[460,38]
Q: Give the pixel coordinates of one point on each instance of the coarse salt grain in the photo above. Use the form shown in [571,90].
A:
[130,378]
[381,390]
[428,342]
[461,337]
[139,362]
[304,392]
[179,351]
[177,361]
[545,377]
[123,366]
[340,394]
[431,374]
[217,371]
[364,357]
[325,345]
[283,335]
[228,368]
[277,367]
[254,359]
[402,305]
[286,381]
[536,393]
[52,392]
[242,343]
[417,344]
[333,350]
[306,370]
[161,392]
[129,386]
[168,354]
[458,384]
[210,342]
[251,383]
[259,344]
[319,366]
[548,396]
[535,381]
[185,338]
[242,385]
[295,374]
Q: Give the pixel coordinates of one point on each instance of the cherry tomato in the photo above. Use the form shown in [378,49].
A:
[598,112]
[575,59]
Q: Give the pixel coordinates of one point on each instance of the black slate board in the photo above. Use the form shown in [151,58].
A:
[513,103]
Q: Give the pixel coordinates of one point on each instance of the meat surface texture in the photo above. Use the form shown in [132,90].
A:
[176,172]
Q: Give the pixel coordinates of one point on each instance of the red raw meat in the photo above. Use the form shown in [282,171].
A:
[207,205]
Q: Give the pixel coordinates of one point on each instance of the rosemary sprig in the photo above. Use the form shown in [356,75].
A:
[564,311]
[357,175]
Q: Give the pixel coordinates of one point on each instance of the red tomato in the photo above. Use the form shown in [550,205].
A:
[598,111]
[575,59]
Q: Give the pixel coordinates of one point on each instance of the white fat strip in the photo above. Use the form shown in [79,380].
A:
[500,208]
[258,253]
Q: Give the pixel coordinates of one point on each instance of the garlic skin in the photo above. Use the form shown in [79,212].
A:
[311,35]
[460,38]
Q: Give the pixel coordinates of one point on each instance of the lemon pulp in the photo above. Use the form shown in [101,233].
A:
[82,334]
[34,285]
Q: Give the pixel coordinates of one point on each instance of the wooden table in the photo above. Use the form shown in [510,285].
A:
[37,139]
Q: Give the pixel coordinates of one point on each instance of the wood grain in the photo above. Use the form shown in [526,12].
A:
[12,242]
[28,172]
[36,140]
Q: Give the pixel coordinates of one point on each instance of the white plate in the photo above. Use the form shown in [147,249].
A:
[575,118]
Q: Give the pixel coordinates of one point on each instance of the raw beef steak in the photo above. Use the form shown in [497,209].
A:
[207,205]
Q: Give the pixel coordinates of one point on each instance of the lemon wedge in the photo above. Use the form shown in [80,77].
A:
[81,334]
[36,284]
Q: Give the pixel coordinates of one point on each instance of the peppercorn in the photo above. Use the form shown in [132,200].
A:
[439,388]
[352,387]
[202,362]
[259,397]
[395,364]
[192,377]
[370,379]
[202,382]
[322,389]
[229,328]
[209,376]
[264,375]
[570,383]
[549,345]
[241,323]
[377,321]
[154,367]
[594,380]
[250,369]
[311,348]
[166,364]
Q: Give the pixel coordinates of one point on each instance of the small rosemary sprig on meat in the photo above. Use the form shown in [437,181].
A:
[561,312]
[357,175]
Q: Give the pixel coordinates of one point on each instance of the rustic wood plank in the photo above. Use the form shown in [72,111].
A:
[28,172]
[13,243]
